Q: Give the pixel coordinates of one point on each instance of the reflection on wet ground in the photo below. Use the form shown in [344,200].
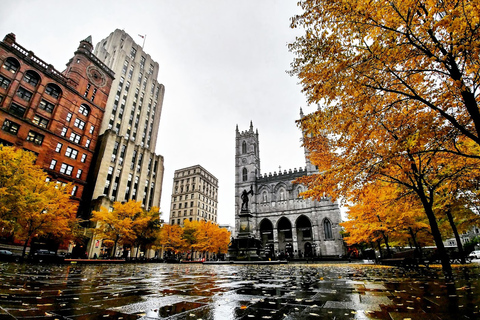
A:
[179,291]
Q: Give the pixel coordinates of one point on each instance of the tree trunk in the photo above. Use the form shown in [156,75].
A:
[415,243]
[379,249]
[457,236]
[24,250]
[385,238]
[115,247]
[427,206]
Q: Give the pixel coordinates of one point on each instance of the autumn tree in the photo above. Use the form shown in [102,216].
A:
[30,206]
[200,236]
[210,238]
[145,229]
[369,56]
[189,236]
[382,213]
[117,224]
[170,238]
[396,83]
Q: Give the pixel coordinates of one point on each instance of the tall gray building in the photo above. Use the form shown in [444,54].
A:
[281,219]
[194,195]
[126,166]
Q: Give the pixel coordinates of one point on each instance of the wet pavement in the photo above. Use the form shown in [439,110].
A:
[195,291]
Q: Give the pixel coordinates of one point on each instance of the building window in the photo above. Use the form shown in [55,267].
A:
[244,174]
[130,73]
[142,62]
[150,69]
[53,163]
[69,117]
[87,143]
[59,147]
[52,90]
[64,132]
[31,77]
[75,137]
[327,228]
[74,190]
[71,153]
[17,110]
[80,124]
[66,169]
[47,106]
[125,66]
[35,137]
[10,127]
[4,82]
[244,147]
[87,90]
[133,52]
[84,110]
[11,65]
[84,158]
[93,94]
[79,173]
[39,121]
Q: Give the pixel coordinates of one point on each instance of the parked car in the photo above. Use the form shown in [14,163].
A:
[474,254]
[44,255]
[7,255]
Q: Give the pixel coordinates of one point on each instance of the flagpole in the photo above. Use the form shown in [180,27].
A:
[143,37]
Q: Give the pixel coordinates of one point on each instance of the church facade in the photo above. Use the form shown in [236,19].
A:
[286,224]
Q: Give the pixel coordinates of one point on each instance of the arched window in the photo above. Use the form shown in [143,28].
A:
[244,174]
[84,109]
[31,77]
[264,196]
[327,228]
[53,90]
[282,194]
[244,147]
[298,191]
[255,149]
[11,65]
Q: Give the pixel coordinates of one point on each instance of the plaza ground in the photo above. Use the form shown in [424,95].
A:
[196,291]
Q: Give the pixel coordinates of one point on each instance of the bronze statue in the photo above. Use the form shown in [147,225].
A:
[244,197]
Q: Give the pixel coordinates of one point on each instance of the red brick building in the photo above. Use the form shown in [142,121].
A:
[56,115]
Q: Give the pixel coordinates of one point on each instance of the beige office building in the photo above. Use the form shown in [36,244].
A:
[194,196]
[127,166]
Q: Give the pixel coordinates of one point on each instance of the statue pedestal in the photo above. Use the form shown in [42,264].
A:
[245,247]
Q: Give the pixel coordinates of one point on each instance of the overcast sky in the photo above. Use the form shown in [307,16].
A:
[223,64]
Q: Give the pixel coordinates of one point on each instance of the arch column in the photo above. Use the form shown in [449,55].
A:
[294,239]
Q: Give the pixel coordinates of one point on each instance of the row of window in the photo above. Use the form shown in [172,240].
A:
[13,128]
[31,77]
[66,169]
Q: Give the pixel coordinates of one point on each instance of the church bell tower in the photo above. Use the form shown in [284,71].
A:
[247,167]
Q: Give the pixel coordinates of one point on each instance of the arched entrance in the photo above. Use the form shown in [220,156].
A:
[304,236]
[284,228]
[266,231]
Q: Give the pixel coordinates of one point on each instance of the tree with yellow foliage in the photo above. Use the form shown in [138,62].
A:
[211,239]
[117,224]
[397,84]
[145,229]
[366,57]
[195,236]
[382,213]
[30,206]
[170,238]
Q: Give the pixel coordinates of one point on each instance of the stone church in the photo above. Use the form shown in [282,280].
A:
[284,222]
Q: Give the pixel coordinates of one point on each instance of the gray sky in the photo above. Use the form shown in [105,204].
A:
[223,63]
